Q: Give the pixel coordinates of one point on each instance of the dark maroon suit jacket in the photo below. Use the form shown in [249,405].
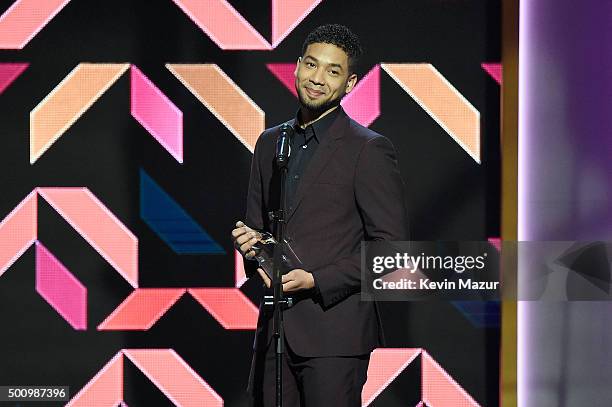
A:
[351,191]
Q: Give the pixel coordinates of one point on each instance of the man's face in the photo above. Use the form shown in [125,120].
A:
[322,77]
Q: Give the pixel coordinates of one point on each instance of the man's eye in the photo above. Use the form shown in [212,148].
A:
[310,64]
[334,72]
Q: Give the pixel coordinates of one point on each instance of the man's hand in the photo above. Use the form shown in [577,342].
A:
[294,280]
[297,279]
[244,238]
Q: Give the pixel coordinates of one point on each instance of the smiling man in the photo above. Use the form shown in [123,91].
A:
[343,187]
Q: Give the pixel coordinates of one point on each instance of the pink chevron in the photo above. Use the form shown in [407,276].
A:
[98,226]
[174,377]
[420,404]
[223,24]
[142,309]
[385,366]
[24,19]
[122,404]
[18,231]
[493,69]
[62,290]
[239,274]
[284,72]
[363,103]
[286,15]
[106,387]
[495,241]
[439,389]
[229,306]
[9,72]
[156,113]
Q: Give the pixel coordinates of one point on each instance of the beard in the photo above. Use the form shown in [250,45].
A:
[317,107]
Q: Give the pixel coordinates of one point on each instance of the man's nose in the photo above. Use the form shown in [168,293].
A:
[317,77]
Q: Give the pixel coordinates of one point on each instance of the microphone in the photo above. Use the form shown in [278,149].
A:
[283,145]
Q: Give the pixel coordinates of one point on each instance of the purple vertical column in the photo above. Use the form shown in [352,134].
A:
[565,191]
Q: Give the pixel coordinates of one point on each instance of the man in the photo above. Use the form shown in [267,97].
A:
[343,187]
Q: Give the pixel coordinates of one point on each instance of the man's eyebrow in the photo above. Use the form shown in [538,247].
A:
[316,60]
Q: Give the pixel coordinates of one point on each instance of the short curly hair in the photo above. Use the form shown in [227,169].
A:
[340,36]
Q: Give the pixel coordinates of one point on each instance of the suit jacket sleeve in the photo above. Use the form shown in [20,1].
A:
[379,193]
[254,206]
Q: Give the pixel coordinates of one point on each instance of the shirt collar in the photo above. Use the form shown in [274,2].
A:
[319,127]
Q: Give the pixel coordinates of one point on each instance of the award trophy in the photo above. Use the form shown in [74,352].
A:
[264,254]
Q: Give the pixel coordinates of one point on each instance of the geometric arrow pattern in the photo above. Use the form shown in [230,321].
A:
[113,241]
[286,15]
[227,28]
[235,109]
[163,367]
[104,389]
[173,376]
[62,290]
[385,366]
[18,230]
[224,99]
[141,309]
[171,223]
[24,19]
[156,113]
[145,306]
[494,69]
[217,18]
[89,218]
[223,24]
[80,89]
[98,226]
[9,72]
[229,306]
[184,387]
[438,388]
[442,101]
[284,72]
[362,104]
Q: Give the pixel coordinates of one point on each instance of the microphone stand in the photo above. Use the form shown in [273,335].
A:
[282,161]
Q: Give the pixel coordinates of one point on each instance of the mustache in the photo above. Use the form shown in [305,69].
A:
[315,89]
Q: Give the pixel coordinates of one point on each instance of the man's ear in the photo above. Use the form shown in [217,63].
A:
[297,65]
[351,82]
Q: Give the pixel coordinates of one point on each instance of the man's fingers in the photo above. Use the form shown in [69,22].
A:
[246,247]
[288,277]
[264,277]
[290,286]
[242,233]
[239,229]
[242,239]
[250,254]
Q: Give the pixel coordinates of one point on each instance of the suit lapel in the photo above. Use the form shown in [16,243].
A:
[321,157]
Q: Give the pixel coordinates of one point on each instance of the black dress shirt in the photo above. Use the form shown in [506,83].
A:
[304,144]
